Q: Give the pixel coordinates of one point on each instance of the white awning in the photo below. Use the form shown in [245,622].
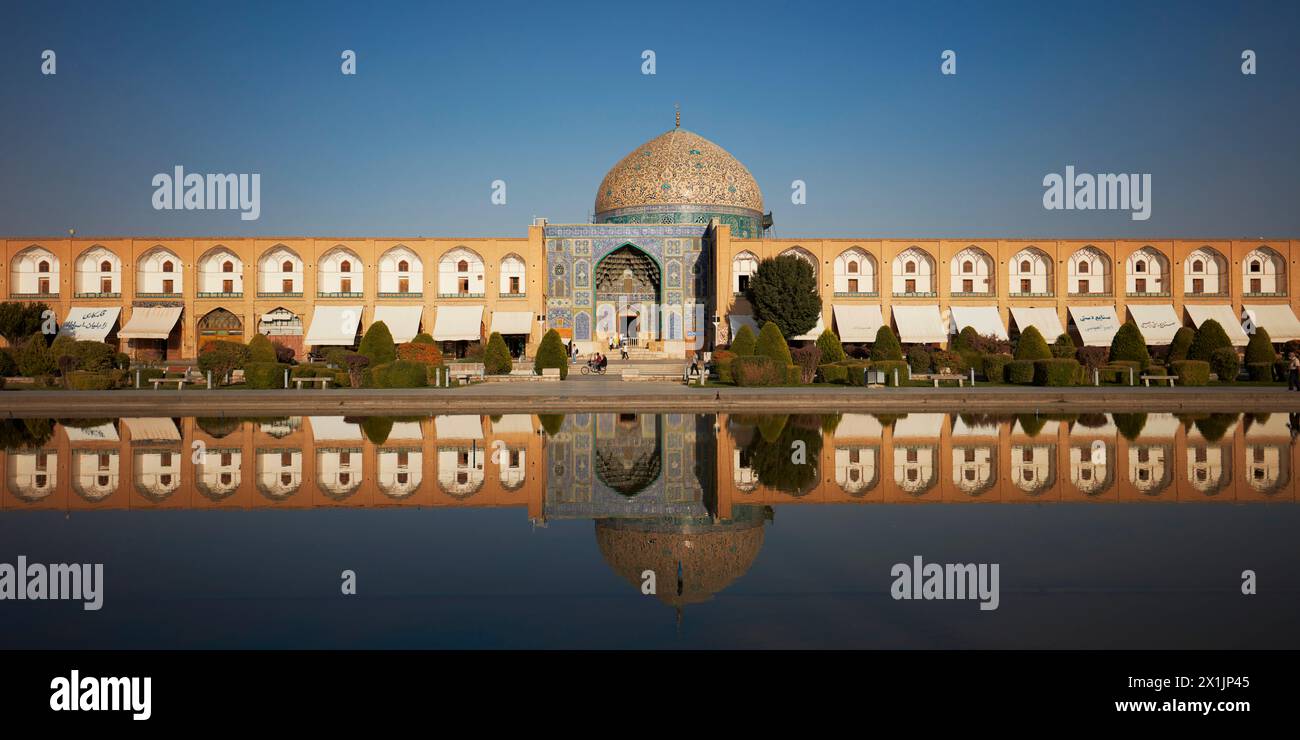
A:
[961,429]
[1096,324]
[459,324]
[105,432]
[737,320]
[1157,323]
[90,324]
[333,326]
[812,334]
[334,428]
[920,324]
[859,426]
[1226,317]
[512,322]
[405,431]
[986,320]
[1043,319]
[158,429]
[459,426]
[403,322]
[924,426]
[857,323]
[513,424]
[151,322]
[1277,319]
[1160,426]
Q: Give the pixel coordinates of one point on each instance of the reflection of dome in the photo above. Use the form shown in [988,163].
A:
[678,168]
[631,460]
[711,555]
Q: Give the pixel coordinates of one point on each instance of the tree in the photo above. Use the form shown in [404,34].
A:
[744,342]
[33,357]
[1260,348]
[550,353]
[377,344]
[967,340]
[1064,347]
[832,350]
[260,349]
[221,357]
[496,359]
[1032,346]
[21,320]
[1209,337]
[772,344]
[784,291]
[1181,343]
[1129,344]
[886,346]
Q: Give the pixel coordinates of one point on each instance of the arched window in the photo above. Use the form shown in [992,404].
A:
[1084,267]
[403,266]
[345,266]
[1198,266]
[462,266]
[910,268]
[167,267]
[105,266]
[743,267]
[968,266]
[227,266]
[286,266]
[43,266]
[853,267]
[1140,266]
[1025,266]
[1255,266]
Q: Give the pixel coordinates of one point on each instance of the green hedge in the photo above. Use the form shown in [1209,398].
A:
[1118,372]
[82,380]
[1191,372]
[264,375]
[342,379]
[793,375]
[757,370]
[855,371]
[833,373]
[995,367]
[1021,372]
[400,374]
[889,366]
[1056,372]
[1225,364]
[1260,371]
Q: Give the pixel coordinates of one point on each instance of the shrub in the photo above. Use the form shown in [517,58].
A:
[1260,347]
[807,359]
[474,352]
[1064,347]
[149,373]
[122,360]
[918,358]
[1209,337]
[995,367]
[307,371]
[8,367]
[1021,372]
[337,356]
[1180,344]
[550,353]
[757,370]
[889,366]
[342,379]
[829,344]
[744,343]
[833,373]
[2,382]
[1130,425]
[421,352]
[496,358]
[966,340]
[81,380]
[1056,372]
[952,362]
[94,356]
[886,346]
[400,374]
[282,353]
[33,357]
[377,428]
[358,366]
[551,423]
[1032,346]
[1191,372]
[1129,344]
[1260,371]
[1225,363]
[260,349]
[423,338]
[855,371]
[1092,358]
[378,345]
[20,319]
[264,375]
[1123,372]
[221,357]
[772,344]
[722,363]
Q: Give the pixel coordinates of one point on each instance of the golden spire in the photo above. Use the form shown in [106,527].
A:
[678,108]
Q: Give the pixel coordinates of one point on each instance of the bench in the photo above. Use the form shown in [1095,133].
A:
[1146,379]
[180,382]
[961,379]
[325,382]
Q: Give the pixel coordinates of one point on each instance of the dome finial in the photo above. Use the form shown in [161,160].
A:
[678,108]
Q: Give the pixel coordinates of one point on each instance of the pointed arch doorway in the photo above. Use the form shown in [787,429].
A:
[627,283]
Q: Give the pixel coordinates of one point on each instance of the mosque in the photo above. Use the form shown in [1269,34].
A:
[680,225]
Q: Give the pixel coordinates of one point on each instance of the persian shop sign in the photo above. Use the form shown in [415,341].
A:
[1096,326]
[100,319]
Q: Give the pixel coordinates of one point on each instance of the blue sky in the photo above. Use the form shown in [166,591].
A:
[548,96]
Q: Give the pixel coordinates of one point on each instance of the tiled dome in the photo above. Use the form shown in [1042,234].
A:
[678,168]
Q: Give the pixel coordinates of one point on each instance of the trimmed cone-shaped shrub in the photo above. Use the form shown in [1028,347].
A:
[886,346]
[551,423]
[1021,372]
[1181,343]
[1064,347]
[1032,346]
[918,358]
[1191,372]
[744,343]
[423,338]
[81,380]
[967,339]
[1056,372]
[1225,364]
[1260,347]
[1260,372]
[260,349]
[829,344]
[377,428]
[550,353]
[995,367]
[1209,337]
[496,358]
[378,345]
[1130,425]
[772,344]
[1129,344]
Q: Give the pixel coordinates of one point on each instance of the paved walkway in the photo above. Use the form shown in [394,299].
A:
[618,395]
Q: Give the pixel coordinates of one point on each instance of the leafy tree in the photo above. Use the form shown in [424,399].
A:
[886,346]
[1181,343]
[784,291]
[19,320]
[260,349]
[1209,337]
[832,350]
[357,364]
[744,342]
[496,359]
[1260,348]
[425,354]
[377,344]
[550,353]
[772,344]
[967,340]
[1128,344]
[1032,346]
[1226,364]
[33,357]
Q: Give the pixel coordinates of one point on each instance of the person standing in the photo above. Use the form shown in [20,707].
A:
[1293,373]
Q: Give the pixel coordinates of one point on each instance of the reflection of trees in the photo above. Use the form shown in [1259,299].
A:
[218,427]
[20,433]
[1130,425]
[772,449]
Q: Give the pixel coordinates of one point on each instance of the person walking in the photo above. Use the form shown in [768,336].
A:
[1293,373]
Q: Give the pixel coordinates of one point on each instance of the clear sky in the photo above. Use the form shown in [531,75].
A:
[547,96]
